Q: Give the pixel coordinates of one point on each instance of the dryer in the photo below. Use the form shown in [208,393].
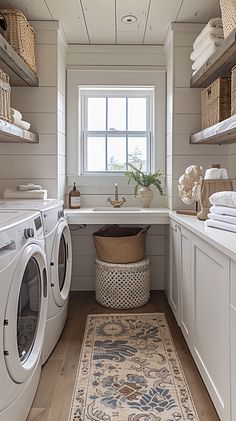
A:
[23,310]
[59,263]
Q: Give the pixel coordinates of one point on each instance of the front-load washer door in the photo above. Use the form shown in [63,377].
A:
[25,316]
[61,264]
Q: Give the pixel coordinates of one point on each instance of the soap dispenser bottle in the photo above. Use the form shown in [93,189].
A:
[74,198]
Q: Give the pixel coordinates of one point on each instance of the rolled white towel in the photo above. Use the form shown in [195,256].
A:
[15,114]
[204,56]
[22,124]
[29,186]
[208,40]
[209,28]
[224,198]
[17,194]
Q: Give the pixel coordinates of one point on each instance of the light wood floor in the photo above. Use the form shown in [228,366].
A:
[52,401]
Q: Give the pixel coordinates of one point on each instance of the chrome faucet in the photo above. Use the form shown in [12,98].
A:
[116,203]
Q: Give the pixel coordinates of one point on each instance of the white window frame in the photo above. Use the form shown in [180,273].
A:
[114,92]
[112,76]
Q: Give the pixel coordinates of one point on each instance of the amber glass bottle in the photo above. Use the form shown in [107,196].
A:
[74,198]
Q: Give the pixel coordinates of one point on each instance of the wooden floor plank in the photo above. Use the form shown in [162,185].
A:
[68,349]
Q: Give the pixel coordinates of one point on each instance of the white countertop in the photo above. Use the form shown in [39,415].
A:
[224,241]
[143,216]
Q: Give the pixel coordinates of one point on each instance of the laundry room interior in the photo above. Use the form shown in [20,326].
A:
[118,210]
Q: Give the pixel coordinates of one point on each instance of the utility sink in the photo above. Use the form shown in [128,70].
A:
[110,209]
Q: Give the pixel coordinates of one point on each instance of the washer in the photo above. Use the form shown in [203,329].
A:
[23,310]
[59,262]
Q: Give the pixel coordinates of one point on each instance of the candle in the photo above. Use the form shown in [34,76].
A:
[116,191]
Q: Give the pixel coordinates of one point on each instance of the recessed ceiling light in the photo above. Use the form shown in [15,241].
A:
[129,19]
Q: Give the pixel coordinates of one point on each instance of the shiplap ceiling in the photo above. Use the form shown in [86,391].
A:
[100,21]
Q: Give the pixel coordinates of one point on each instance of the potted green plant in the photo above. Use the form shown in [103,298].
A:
[143,181]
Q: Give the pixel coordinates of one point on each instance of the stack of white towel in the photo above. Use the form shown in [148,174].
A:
[223,212]
[16,118]
[206,43]
[26,191]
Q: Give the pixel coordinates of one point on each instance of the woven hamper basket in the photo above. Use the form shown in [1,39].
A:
[215,102]
[21,36]
[122,286]
[115,244]
[228,12]
[5,91]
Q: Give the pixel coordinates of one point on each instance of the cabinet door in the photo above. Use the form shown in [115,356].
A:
[185,307]
[210,338]
[233,337]
[173,269]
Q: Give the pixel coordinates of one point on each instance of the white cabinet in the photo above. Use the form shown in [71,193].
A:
[233,337]
[185,307]
[179,276]
[210,335]
[173,289]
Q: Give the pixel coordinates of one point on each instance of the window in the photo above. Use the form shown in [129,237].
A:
[116,129]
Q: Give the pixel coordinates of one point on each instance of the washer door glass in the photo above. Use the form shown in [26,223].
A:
[25,315]
[28,309]
[62,262]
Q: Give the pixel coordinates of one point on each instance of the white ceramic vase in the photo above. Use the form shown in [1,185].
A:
[145,196]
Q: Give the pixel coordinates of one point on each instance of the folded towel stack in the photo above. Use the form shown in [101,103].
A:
[16,118]
[29,186]
[223,212]
[206,43]
[25,193]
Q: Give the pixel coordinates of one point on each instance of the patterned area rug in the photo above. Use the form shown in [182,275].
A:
[129,371]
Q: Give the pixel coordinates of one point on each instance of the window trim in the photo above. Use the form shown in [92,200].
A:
[110,76]
[86,92]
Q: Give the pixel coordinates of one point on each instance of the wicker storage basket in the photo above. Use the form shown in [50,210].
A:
[228,12]
[21,36]
[116,244]
[5,91]
[122,286]
[215,102]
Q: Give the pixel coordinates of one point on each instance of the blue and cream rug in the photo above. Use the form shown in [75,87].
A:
[129,371]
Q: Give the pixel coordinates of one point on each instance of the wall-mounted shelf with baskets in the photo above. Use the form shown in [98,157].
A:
[223,132]
[11,63]
[219,64]
[10,133]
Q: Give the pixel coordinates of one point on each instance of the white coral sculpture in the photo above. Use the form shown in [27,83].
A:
[189,184]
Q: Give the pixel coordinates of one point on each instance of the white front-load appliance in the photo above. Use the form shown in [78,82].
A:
[59,261]
[23,310]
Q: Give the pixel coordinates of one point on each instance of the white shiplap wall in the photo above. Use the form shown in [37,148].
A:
[183,113]
[83,274]
[44,108]
[112,65]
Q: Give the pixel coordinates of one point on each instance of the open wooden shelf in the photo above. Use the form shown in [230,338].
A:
[10,133]
[219,64]
[223,132]
[11,63]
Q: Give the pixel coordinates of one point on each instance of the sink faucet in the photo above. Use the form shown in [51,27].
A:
[116,203]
